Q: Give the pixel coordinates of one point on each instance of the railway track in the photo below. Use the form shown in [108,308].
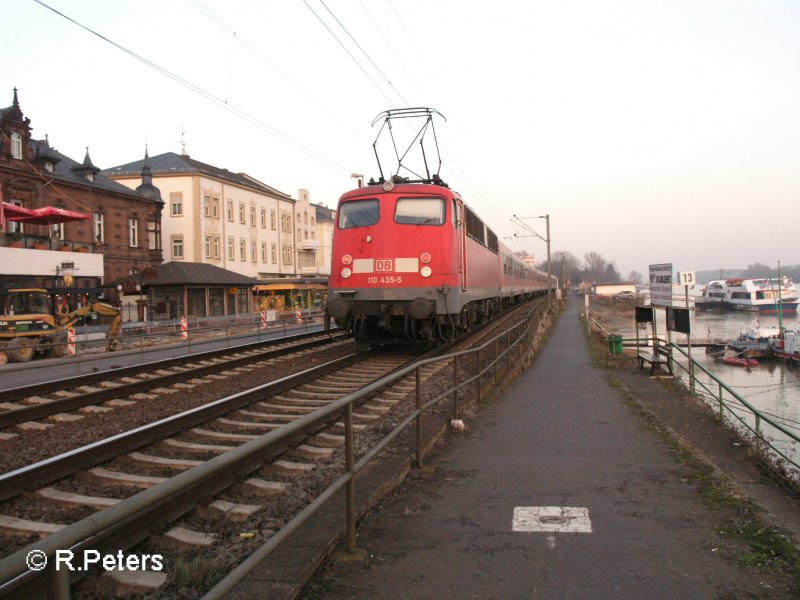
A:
[55,498]
[52,401]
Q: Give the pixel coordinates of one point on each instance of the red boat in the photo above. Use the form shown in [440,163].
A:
[739,361]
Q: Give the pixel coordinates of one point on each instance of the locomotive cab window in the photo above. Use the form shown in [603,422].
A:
[358,213]
[419,211]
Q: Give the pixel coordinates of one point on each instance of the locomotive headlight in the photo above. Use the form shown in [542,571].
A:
[347,259]
[425,271]
[425,258]
[388,186]
[346,273]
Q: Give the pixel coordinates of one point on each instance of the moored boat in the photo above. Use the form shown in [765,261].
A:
[739,361]
[787,347]
[767,295]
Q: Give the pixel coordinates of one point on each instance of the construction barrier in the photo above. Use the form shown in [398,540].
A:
[299,317]
[184,329]
[263,318]
[71,342]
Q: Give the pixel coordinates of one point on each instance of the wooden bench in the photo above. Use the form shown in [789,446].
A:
[661,355]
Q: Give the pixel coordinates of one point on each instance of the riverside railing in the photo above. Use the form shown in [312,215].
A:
[771,439]
[511,349]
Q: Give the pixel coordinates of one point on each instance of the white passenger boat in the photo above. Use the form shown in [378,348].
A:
[762,295]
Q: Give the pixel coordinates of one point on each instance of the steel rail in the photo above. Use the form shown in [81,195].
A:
[134,518]
[19,480]
[31,413]
[136,515]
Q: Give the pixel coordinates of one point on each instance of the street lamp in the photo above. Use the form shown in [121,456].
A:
[547,240]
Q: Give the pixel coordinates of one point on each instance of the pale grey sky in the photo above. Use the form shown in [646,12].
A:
[650,131]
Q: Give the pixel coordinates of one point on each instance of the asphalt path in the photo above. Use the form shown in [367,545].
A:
[39,370]
[615,517]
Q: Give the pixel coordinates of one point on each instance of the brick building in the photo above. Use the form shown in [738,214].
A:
[125,224]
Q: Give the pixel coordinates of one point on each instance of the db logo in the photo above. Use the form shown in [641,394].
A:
[383,264]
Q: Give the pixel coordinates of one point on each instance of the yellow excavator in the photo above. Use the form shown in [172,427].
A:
[28,327]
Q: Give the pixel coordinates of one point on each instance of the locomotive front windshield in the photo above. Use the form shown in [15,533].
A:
[419,211]
[358,213]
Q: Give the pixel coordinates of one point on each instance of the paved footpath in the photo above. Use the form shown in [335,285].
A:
[560,437]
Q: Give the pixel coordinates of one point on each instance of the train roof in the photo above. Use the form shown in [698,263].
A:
[401,188]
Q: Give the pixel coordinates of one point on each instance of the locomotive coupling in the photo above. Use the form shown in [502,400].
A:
[421,308]
[338,308]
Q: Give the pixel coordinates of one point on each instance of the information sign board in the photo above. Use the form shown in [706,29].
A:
[679,320]
[661,284]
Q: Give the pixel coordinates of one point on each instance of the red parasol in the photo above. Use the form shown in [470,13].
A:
[49,215]
[12,212]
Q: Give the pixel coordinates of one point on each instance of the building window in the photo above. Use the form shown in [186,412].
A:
[230,248]
[214,207]
[133,232]
[263,252]
[49,167]
[286,223]
[15,226]
[176,204]
[57,231]
[207,245]
[177,247]
[241,213]
[252,216]
[214,247]
[206,206]
[153,235]
[299,234]
[16,146]
[272,221]
[229,210]
[274,253]
[263,218]
[305,218]
[286,255]
[99,227]
[242,250]
[252,251]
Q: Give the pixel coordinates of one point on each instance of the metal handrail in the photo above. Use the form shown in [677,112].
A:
[726,406]
[14,569]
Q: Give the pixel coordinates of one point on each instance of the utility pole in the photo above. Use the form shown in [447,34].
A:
[547,240]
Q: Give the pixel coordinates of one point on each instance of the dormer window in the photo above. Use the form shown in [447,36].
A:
[48,166]
[16,146]
[90,176]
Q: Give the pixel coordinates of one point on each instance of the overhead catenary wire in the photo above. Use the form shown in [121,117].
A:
[260,55]
[253,120]
[350,54]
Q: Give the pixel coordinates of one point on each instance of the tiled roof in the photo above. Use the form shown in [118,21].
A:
[188,273]
[63,171]
[323,213]
[171,163]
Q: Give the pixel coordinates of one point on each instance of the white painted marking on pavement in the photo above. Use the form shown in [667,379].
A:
[555,519]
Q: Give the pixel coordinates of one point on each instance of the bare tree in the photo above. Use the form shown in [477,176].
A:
[635,277]
[594,267]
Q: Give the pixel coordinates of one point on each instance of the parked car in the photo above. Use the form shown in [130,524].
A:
[624,295]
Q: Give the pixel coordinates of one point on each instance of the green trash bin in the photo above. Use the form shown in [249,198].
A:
[614,344]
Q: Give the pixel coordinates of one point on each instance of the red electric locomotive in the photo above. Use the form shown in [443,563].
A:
[412,261]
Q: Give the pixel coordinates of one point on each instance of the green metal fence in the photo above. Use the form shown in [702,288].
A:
[773,438]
